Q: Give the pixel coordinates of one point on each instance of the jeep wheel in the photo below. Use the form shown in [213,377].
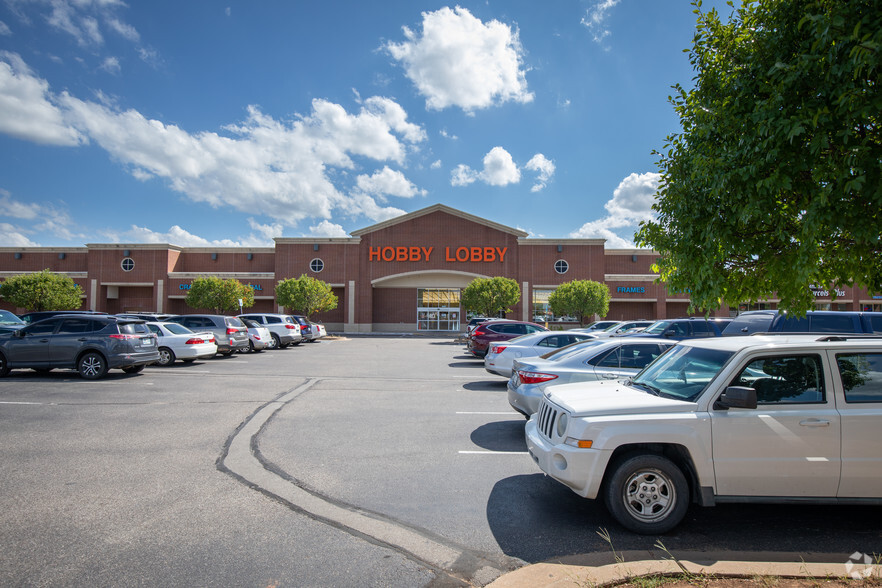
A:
[647,494]
[92,366]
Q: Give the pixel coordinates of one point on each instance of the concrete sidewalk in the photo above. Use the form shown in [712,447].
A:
[562,575]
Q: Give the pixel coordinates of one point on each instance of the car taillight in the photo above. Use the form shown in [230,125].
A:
[497,349]
[292,326]
[478,333]
[195,341]
[126,337]
[535,377]
[232,330]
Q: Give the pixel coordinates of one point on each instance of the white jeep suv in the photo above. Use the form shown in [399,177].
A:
[766,418]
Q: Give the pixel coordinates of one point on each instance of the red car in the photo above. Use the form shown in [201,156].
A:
[498,330]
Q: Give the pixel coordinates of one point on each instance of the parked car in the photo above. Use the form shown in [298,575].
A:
[10,322]
[502,330]
[765,418]
[684,328]
[597,326]
[230,333]
[814,321]
[38,315]
[283,329]
[178,342]
[311,331]
[601,359]
[259,337]
[147,316]
[618,328]
[501,354]
[90,344]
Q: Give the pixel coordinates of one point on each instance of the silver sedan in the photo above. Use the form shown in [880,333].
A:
[602,359]
[501,354]
[176,341]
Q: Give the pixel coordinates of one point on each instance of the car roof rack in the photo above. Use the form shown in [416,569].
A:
[847,337]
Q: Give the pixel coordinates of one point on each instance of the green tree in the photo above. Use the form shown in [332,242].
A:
[490,296]
[774,183]
[306,295]
[221,296]
[581,299]
[43,290]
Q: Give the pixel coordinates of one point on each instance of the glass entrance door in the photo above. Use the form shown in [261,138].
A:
[438,309]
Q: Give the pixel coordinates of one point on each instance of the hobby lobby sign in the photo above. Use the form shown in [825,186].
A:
[451,254]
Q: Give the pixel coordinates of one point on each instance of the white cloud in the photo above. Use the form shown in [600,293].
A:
[631,203]
[175,236]
[111,65]
[501,170]
[14,236]
[545,167]
[436,164]
[596,17]
[361,204]
[261,166]
[327,229]
[4,29]
[27,109]
[45,219]
[388,182]
[458,60]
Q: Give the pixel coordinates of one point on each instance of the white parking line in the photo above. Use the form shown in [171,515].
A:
[507,412]
[31,403]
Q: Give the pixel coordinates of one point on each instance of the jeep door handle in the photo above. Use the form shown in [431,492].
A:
[814,423]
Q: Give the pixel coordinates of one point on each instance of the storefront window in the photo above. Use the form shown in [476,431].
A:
[541,312]
[438,309]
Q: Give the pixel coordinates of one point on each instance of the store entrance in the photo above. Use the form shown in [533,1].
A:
[438,309]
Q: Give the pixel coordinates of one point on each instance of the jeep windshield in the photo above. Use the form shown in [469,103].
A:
[682,373]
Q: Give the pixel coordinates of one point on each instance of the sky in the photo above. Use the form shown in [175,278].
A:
[209,123]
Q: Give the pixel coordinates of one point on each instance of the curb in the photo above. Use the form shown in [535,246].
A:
[548,575]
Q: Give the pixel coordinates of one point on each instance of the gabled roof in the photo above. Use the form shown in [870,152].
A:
[438,208]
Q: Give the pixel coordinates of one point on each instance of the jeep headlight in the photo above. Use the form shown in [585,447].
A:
[562,421]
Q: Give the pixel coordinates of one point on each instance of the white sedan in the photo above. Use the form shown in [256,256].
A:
[502,354]
[178,342]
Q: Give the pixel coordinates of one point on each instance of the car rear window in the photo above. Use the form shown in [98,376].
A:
[133,328]
[232,321]
[861,376]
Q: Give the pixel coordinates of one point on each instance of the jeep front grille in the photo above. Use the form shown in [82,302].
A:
[547,417]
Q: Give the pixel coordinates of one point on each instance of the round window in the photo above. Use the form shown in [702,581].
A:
[128,264]
[316,265]
[561,267]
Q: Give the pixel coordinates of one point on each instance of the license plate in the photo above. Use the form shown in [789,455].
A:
[147,342]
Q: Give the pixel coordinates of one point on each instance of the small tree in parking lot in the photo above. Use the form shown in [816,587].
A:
[580,298]
[221,296]
[43,290]
[490,296]
[306,295]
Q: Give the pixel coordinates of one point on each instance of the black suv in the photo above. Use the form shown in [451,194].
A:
[88,343]
[684,328]
[814,321]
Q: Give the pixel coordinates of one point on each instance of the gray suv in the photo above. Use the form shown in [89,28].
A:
[282,327]
[230,333]
[91,344]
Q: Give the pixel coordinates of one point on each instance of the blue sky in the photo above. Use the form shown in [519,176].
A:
[210,123]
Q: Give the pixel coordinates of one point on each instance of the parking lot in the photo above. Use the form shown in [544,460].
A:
[392,461]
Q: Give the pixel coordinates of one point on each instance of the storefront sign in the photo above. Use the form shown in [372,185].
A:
[257,287]
[819,293]
[451,254]
[631,290]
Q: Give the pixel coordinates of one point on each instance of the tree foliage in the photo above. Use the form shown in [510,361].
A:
[305,295]
[43,290]
[221,296]
[581,299]
[774,183]
[490,296]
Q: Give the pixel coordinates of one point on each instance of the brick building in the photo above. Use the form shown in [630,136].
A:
[401,275]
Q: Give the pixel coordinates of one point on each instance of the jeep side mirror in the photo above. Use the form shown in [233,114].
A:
[736,397]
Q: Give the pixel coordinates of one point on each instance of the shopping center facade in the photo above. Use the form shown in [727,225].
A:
[401,275]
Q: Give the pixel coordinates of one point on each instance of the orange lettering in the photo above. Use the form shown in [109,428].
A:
[414,253]
[427,252]
[401,254]
[372,253]
[502,251]
[489,254]
[447,254]
[465,253]
[391,254]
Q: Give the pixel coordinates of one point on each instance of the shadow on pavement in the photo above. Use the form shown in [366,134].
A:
[501,436]
[487,386]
